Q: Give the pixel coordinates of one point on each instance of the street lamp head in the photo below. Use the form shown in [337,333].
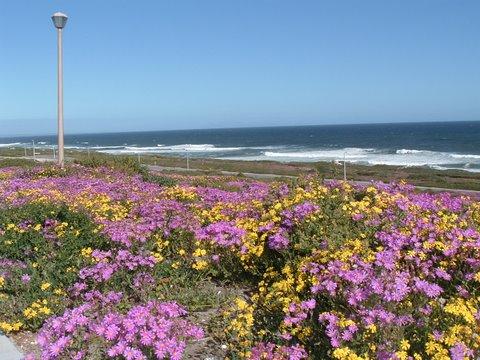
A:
[59,20]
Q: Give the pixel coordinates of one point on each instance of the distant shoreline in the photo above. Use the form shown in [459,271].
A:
[447,145]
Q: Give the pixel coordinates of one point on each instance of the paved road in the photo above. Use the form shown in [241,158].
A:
[223,172]
[8,351]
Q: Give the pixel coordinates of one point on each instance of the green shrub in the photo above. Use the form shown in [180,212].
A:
[126,164]
[26,163]
[43,244]
[159,180]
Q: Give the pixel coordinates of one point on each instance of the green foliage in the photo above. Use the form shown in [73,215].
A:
[159,179]
[127,164]
[19,162]
[44,242]
[50,170]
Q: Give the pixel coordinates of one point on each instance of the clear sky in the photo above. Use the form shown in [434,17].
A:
[154,65]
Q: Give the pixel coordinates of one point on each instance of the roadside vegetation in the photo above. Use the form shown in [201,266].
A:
[105,260]
[421,176]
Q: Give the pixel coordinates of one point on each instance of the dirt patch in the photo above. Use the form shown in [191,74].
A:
[26,342]
[207,348]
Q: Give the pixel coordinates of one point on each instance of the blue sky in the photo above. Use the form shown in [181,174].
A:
[155,65]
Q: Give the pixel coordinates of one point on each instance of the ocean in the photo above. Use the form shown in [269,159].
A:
[445,145]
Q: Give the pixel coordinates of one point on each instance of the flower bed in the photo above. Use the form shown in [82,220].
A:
[106,264]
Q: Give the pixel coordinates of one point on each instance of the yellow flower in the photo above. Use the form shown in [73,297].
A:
[45,310]
[29,313]
[158,257]
[463,308]
[199,252]
[345,353]
[86,252]
[200,265]
[372,328]
[45,286]
[404,345]
[9,327]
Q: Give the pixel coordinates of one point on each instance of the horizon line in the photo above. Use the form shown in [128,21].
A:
[244,127]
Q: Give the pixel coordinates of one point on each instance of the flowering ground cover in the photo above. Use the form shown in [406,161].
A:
[106,264]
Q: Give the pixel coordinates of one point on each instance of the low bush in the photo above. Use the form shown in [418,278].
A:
[19,162]
[160,180]
[40,255]
[127,164]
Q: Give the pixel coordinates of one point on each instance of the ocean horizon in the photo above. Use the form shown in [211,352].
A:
[441,145]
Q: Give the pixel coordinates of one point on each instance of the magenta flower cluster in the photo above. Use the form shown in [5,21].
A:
[152,330]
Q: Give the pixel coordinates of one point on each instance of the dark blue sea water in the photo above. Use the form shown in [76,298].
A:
[439,145]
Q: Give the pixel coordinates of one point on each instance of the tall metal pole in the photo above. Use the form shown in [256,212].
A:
[61,160]
[59,20]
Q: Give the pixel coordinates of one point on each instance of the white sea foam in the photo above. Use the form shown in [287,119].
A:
[349,153]
[72,147]
[368,156]
[10,144]
[409,151]
[465,156]
[84,147]
[105,147]
[171,149]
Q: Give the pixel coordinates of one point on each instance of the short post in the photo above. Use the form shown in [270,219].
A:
[53,150]
[344,166]
[188,159]
[33,149]
[25,150]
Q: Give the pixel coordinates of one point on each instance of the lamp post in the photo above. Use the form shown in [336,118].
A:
[59,20]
